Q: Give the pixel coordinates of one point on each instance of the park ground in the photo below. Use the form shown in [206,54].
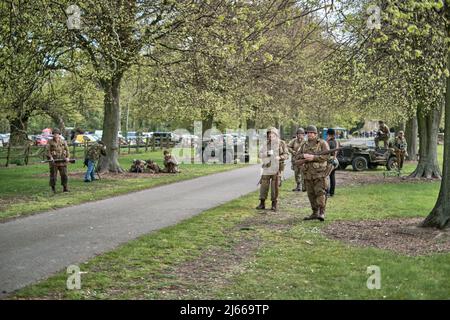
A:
[236,252]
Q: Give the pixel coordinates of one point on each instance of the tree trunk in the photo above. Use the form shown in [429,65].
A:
[411,138]
[111,124]
[439,217]
[428,124]
[207,122]
[18,128]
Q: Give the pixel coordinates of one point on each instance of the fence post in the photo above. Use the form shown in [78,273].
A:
[129,147]
[8,153]
[138,140]
[153,143]
[146,144]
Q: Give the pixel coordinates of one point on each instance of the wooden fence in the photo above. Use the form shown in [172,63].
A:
[25,155]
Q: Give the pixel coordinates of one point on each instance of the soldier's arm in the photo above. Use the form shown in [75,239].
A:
[48,152]
[284,154]
[290,146]
[324,157]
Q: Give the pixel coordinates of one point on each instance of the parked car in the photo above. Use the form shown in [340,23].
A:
[4,137]
[166,136]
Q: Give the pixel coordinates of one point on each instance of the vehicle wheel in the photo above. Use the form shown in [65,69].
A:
[392,164]
[359,164]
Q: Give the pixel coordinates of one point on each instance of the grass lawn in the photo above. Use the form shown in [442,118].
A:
[25,189]
[236,252]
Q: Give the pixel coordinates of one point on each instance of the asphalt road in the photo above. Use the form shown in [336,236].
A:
[35,247]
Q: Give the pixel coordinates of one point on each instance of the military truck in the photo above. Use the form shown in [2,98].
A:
[363,157]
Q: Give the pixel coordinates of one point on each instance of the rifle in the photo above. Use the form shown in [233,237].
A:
[300,162]
[58,160]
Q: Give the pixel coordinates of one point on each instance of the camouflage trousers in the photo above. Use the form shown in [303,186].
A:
[54,175]
[400,155]
[271,181]
[299,179]
[317,193]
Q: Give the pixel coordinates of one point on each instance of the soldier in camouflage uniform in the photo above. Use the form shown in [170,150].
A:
[382,134]
[293,146]
[273,154]
[400,146]
[315,170]
[152,167]
[138,166]
[92,156]
[170,163]
[57,149]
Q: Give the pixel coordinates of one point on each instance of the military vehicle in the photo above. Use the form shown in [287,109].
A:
[363,157]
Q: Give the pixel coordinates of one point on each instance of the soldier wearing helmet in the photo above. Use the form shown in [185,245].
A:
[400,146]
[273,154]
[293,146]
[57,149]
[382,134]
[315,171]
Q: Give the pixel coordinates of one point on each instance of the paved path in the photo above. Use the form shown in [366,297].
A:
[38,246]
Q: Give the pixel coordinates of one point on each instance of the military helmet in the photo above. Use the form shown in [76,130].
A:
[56,131]
[311,128]
[274,130]
[300,131]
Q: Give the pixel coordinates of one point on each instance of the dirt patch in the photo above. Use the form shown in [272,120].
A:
[210,270]
[398,235]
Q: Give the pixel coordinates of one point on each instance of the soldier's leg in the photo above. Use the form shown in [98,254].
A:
[53,177]
[377,140]
[386,143]
[64,177]
[263,191]
[274,190]
[312,200]
[297,175]
[320,191]
[332,182]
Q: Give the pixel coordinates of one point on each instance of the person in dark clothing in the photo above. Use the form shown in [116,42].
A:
[333,145]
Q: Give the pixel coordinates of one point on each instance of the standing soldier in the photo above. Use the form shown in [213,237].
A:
[58,154]
[293,146]
[272,154]
[92,156]
[315,171]
[333,144]
[400,146]
[382,134]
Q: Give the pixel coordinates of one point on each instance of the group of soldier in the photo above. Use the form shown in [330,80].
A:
[150,166]
[313,161]
[58,156]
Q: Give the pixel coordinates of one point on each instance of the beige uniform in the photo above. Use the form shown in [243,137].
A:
[272,167]
[58,151]
[315,174]
[400,146]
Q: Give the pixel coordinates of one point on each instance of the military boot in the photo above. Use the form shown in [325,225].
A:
[321,214]
[65,189]
[313,216]
[274,206]
[262,204]
[297,188]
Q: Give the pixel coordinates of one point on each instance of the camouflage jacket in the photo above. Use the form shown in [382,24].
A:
[95,151]
[294,145]
[319,167]
[383,131]
[400,144]
[269,159]
[170,160]
[58,150]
